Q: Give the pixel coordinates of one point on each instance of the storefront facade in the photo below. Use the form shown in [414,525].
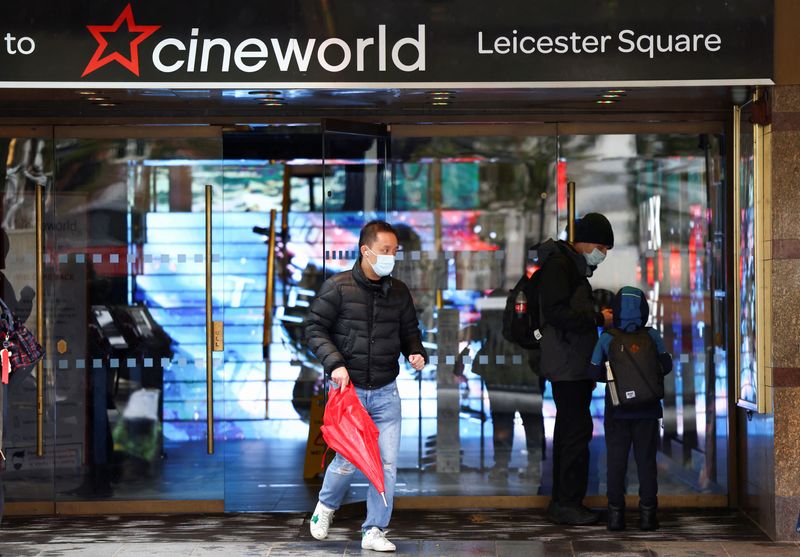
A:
[203,173]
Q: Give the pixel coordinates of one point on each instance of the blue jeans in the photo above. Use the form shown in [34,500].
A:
[383,406]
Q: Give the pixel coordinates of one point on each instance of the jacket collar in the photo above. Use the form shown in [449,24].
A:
[577,258]
[382,287]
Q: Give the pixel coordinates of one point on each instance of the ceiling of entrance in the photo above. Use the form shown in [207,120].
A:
[549,104]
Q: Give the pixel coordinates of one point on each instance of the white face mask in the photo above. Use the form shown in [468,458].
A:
[384,265]
[595,258]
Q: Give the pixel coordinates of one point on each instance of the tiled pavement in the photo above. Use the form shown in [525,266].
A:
[716,533]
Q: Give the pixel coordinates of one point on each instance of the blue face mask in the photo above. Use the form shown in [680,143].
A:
[384,265]
[595,258]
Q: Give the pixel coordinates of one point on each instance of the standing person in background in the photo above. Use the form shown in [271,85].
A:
[569,333]
[513,386]
[358,325]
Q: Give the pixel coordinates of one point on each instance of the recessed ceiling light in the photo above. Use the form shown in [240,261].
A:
[106,104]
[86,93]
[97,99]
[616,91]
[440,103]
[272,103]
[605,101]
[611,96]
[442,93]
[265,93]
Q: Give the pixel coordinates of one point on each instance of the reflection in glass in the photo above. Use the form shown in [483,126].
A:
[129,285]
[746,267]
[128,274]
[27,163]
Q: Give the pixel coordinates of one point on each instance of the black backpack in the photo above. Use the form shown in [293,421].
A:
[522,329]
[637,375]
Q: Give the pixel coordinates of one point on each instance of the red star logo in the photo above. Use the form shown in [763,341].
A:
[132,62]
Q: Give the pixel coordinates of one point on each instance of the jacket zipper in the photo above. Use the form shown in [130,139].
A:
[370,338]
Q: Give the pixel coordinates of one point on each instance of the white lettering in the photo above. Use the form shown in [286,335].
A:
[682,43]
[418,44]
[545,45]
[22,49]
[562,46]
[381,48]
[629,44]
[198,54]
[242,54]
[324,62]
[293,51]
[713,42]
[590,44]
[361,45]
[9,43]
[160,66]
[501,45]
[208,44]
[192,50]
[645,44]
[481,49]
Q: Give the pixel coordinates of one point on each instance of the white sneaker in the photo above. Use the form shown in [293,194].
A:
[375,539]
[321,521]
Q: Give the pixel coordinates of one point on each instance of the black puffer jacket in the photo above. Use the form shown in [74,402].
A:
[363,326]
[570,325]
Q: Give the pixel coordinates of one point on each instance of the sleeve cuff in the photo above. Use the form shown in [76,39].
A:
[599,319]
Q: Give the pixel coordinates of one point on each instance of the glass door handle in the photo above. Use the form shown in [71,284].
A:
[571,211]
[269,303]
[209,328]
[40,319]
[269,295]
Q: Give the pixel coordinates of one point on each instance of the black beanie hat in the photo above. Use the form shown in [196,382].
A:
[594,228]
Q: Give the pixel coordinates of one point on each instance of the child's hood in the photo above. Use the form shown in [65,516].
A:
[631,310]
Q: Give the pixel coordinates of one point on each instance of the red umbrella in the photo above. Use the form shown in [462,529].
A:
[348,430]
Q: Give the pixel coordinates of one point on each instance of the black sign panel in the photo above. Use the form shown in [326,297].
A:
[408,43]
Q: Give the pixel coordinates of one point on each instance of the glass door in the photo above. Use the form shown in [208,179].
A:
[357,189]
[27,266]
[137,280]
[469,202]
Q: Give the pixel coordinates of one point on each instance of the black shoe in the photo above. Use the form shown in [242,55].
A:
[647,518]
[552,509]
[616,518]
[572,515]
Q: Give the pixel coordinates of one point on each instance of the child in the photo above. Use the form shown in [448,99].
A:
[635,425]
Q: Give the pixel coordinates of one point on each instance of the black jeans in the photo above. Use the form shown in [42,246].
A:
[643,436]
[573,433]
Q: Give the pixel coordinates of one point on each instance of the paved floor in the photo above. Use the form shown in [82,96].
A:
[717,533]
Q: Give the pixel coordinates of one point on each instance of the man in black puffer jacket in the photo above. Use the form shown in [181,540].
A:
[569,333]
[358,325]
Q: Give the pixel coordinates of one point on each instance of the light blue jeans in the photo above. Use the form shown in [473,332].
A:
[383,406]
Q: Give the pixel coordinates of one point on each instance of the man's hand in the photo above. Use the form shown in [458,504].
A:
[608,317]
[340,377]
[416,361]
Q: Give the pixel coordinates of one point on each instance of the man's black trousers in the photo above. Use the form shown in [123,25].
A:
[573,433]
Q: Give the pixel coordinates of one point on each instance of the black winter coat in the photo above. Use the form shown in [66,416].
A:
[363,326]
[570,325]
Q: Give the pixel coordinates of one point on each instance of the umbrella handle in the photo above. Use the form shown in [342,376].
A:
[385,504]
